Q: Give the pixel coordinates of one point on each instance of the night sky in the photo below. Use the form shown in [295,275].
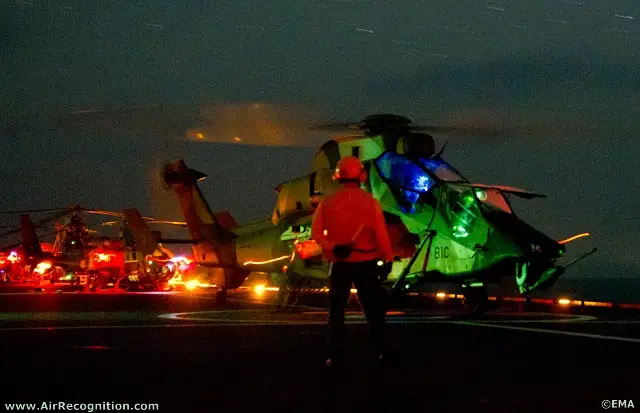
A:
[563,74]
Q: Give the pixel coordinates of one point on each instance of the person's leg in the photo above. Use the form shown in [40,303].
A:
[371,297]
[339,289]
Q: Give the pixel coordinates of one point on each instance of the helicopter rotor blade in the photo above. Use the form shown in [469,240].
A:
[479,132]
[292,124]
[110,223]
[336,127]
[465,131]
[152,117]
[33,211]
[149,221]
[37,224]
[390,123]
[67,209]
[103,212]
[461,124]
[61,212]
[346,127]
[259,124]
[164,202]
[164,222]
[253,123]
[435,129]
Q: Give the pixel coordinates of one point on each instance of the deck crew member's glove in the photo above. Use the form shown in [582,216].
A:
[343,251]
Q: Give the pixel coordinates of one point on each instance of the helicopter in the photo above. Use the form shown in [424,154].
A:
[443,227]
[76,248]
[77,255]
[150,262]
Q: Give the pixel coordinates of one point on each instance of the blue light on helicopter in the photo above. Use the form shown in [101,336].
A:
[422,183]
[406,177]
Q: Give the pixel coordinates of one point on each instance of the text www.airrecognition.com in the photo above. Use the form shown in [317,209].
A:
[82,407]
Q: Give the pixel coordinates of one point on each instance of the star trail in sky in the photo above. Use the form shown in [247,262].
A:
[566,72]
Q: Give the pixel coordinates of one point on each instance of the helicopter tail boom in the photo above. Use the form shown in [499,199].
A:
[30,243]
[201,221]
[216,248]
[144,239]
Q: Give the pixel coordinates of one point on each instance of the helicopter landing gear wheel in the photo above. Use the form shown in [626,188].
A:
[221,297]
[476,300]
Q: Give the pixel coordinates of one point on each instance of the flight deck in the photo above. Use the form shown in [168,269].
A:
[187,353]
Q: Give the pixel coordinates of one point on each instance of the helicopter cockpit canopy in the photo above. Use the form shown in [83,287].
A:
[412,177]
[441,169]
[408,179]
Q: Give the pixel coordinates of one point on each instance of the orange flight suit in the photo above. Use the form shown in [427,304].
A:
[353,216]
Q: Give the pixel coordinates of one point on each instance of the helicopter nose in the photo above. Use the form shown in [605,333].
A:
[545,248]
[531,242]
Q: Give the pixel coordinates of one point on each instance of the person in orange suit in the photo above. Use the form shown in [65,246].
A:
[350,227]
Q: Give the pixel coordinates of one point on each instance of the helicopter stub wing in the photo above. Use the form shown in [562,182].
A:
[522,193]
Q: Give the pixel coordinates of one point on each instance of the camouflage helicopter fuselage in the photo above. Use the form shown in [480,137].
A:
[442,227]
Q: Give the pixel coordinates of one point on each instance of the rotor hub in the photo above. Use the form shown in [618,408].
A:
[385,123]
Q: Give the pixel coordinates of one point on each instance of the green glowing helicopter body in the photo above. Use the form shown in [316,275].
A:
[443,227]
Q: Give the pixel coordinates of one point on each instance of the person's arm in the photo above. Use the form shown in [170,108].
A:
[318,230]
[382,235]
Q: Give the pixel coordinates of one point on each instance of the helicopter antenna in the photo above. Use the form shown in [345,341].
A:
[442,149]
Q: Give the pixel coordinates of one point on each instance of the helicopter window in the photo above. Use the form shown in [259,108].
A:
[493,198]
[406,177]
[441,169]
[462,211]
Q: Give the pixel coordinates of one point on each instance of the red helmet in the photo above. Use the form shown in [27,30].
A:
[350,168]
